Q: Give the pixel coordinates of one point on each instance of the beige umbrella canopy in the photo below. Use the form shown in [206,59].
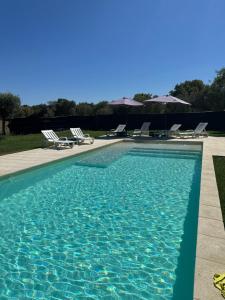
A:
[165,100]
[126,101]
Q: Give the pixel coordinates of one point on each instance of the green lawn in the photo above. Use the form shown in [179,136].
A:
[216,133]
[219,165]
[16,143]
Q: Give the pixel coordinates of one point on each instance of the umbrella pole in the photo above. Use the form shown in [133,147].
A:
[166,120]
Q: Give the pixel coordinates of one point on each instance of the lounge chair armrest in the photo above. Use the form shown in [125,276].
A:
[187,131]
[63,138]
[110,131]
[136,132]
[86,135]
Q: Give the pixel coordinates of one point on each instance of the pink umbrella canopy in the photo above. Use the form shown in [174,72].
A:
[126,101]
[167,99]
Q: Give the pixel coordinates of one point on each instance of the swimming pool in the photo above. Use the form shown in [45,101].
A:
[116,223]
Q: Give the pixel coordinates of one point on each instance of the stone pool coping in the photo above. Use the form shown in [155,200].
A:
[210,256]
[11,164]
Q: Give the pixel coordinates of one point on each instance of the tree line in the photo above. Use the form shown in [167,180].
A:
[203,97]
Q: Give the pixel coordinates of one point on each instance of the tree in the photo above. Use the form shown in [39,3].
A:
[24,111]
[141,97]
[85,109]
[219,81]
[41,110]
[63,107]
[9,104]
[102,108]
[191,91]
[188,90]
[216,93]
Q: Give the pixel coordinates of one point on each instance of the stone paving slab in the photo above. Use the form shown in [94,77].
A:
[210,254]
[211,249]
[211,227]
[19,161]
[211,212]
[210,199]
[205,270]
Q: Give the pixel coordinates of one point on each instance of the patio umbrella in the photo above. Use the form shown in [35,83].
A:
[165,100]
[126,101]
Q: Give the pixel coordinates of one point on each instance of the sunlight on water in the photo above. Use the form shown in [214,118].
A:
[72,231]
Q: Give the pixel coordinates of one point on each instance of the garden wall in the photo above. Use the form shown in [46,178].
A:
[216,121]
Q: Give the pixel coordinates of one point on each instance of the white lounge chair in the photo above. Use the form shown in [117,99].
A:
[52,137]
[120,130]
[80,136]
[143,130]
[174,130]
[200,130]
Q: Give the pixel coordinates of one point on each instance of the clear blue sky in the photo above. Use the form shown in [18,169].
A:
[91,50]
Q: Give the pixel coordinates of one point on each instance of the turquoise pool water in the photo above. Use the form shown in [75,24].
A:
[118,223]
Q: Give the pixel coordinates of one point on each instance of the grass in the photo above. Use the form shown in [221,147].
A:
[219,165]
[216,133]
[16,143]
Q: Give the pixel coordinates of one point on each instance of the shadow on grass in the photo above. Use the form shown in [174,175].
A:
[219,166]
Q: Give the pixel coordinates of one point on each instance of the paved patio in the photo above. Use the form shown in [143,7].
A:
[19,161]
[210,255]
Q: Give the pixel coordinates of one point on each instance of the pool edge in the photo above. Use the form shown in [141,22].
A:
[208,261]
[210,246]
[54,160]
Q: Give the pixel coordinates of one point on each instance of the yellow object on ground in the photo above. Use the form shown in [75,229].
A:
[219,283]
